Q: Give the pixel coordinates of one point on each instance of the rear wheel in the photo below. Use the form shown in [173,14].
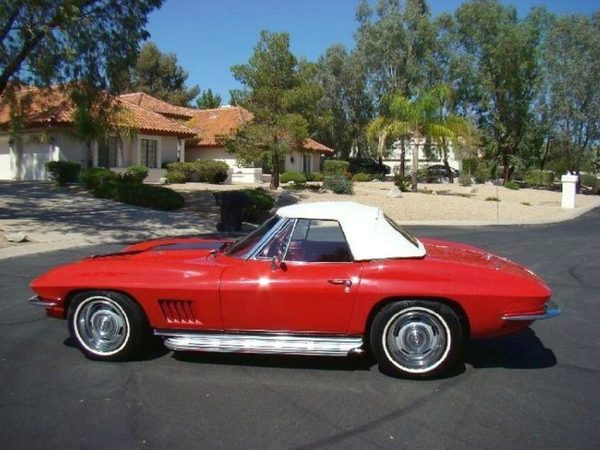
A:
[416,339]
[107,326]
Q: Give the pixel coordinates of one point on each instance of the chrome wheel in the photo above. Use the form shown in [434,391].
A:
[416,339]
[101,325]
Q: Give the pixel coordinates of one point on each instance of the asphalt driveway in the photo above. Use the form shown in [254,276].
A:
[71,217]
[538,389]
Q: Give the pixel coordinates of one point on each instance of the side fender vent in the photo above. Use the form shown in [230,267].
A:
[178,311]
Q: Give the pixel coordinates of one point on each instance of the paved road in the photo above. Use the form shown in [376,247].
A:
[539,389]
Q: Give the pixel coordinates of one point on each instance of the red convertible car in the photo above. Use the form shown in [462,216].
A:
[330,278]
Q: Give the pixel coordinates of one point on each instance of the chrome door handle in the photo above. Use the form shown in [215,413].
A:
[346,283]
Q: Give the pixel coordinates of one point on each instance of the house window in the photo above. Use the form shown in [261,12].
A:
[148,153]
[306,163]
[107,152]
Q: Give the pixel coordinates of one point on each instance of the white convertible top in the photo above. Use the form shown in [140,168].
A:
[369,234]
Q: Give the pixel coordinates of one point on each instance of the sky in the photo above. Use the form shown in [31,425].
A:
[210,36]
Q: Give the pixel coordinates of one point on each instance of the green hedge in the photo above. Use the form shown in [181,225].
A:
[206,170]
[134,174]
[362,177]
[314,176]
[539,178]
[296,177]
[334,166]
[259,205]
[139,194]
[338,184]
[176,177]
[63,172]
[92,178]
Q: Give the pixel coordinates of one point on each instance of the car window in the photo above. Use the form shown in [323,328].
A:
[409,237]
[243,245]
[318,241]
[277,245]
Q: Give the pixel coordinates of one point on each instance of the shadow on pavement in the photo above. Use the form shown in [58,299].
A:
[520,351]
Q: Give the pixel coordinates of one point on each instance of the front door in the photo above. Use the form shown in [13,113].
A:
[312,289]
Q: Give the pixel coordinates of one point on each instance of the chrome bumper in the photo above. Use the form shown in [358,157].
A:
[551,310]
[37,301]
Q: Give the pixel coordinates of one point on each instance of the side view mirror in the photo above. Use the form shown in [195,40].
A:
[277,263]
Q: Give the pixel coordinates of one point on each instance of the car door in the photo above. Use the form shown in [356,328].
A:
[304,280]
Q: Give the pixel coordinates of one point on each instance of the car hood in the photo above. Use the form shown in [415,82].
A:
[184,247]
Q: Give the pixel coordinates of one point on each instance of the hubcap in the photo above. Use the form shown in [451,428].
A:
[101,325]
[416,339]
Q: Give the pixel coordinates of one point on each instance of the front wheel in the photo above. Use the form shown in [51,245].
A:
[416,339]
[107,326]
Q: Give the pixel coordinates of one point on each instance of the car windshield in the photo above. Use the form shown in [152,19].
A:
[409,237]
[243,245]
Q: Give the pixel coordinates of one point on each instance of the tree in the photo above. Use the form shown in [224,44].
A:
[159,75]
[208,100]
[396,46]
[281,94]
[496,74]
[345,100]
[50,41]
[421,119]
[571,57]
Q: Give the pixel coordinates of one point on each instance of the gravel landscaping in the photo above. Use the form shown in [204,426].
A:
[439,203]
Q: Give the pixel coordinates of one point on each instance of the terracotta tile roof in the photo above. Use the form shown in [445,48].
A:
[154,104]
[150,122]
[209,124]
[44,107]
[212,123]
[53,106]
[146,113]
[317,147]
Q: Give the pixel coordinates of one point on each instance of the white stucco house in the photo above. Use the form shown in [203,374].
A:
[394,157]
[47,134]
[163,133]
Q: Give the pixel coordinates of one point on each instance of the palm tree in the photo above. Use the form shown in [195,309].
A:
[421,119]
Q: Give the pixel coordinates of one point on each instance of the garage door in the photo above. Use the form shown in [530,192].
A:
[33,162]
[6,165]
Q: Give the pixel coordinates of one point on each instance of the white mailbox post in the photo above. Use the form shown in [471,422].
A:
[569,183]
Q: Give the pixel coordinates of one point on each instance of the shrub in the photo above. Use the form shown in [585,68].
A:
[401,182]
[482,174]
[176,177]
[464,179]
[334,166]
[589,181]
[296,177]
[105,189]
[492,199]
[314,176]
[539,178]
[133,174]
[511,185]
[155,197]
[96,176]
[186,168]
[258,206]
[338,184]
[63,172]
[211,171]
[362,177]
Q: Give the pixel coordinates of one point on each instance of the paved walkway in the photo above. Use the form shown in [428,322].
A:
[55,218]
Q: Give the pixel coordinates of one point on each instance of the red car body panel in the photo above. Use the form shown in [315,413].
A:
[186,284]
